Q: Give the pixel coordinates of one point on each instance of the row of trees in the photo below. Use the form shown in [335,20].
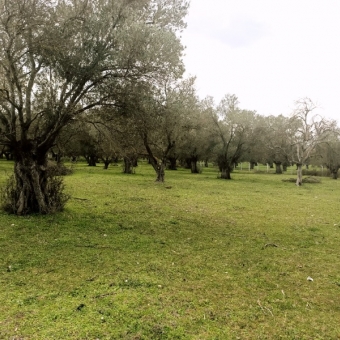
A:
[180,128]
[103,79]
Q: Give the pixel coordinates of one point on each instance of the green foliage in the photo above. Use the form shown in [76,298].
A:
[196,258]
[60,59]
[59,169]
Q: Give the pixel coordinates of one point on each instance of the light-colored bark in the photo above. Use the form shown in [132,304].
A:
[299,175]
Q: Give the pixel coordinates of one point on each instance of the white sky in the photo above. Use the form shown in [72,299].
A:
[269,53]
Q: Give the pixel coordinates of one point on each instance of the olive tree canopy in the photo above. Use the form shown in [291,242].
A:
[60,58]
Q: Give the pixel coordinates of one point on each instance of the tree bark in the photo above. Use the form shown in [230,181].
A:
[278,169]
[160,171]
[128,165]
[225,173]
[334,172]
[107,162]
[91,160]
[225,166]
[31,192]
[172,163]
[194,168]
[252,165]
[299,174]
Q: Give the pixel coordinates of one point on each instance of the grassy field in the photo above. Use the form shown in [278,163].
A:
[194,258]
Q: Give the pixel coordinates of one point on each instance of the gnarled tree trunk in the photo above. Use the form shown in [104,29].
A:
[225,173]
[226,166]
[35,189]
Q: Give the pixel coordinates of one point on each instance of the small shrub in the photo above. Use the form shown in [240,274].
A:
[55,198]
[315,172]
[58,169]
[8,196]
[304,180]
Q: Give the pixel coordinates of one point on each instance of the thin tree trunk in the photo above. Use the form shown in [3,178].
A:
[161,171]
[299,174]
[335,173]
[194,168]
[9,156]
[172,163]
[106,163]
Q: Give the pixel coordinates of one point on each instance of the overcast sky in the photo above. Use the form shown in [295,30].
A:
[269,53]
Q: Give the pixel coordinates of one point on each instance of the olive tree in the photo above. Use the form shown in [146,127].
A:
[276,146]
[60,59]
[304,133]
[328,153]
[198,140]
[158,114]
[234,132]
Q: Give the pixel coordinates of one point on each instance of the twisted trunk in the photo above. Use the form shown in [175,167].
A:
[33,188]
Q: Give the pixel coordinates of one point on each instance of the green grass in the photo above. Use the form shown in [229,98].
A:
[194,258]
